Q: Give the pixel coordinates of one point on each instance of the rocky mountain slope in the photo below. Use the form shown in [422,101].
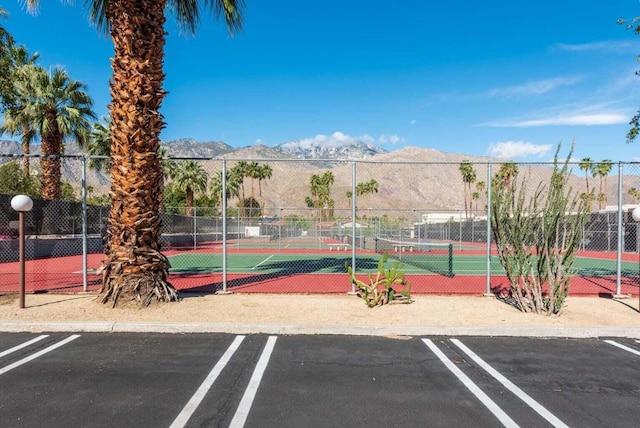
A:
[411,180]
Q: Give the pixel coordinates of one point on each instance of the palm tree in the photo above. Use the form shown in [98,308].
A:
[3,32]
[237,175]
[366,188]
[507,172]
[100,144]
[481,186]
[59,108]
[314,199]
[215,187]
[601,170]
[325,200]
[13,60]
[320,193]
[468,177]
[634,193]
[6,65]
[134,266]
[252,171]
[190,177]
[265,173]
[586,164]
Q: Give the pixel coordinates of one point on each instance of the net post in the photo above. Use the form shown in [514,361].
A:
[450,260]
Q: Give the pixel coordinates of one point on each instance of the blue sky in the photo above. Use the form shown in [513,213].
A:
[499,78]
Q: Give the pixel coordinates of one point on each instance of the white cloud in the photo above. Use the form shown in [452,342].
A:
[413,122]
[518,149]
[391,139]
[607,46]
[535,87]
[565,119]
[259,141]
[337,139]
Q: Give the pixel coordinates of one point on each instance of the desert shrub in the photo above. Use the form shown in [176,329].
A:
[537,237]
[388,285]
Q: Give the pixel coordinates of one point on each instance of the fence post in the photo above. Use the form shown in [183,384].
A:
[84,223]
[224,225]
[487,291]
[195,233]
[353,222]
[620,235]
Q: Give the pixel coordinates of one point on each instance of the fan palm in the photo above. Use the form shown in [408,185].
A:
[264,173]
[232,185]
[602,170]
[586,165]
[100,144]
[12,68]
[135,267]
[58,108]
[190,177]
[468,177]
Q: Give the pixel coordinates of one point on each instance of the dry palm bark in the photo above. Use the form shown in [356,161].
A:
[50,163]
[135,269]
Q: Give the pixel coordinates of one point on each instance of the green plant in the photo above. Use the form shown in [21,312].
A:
[380,289]
[538,236]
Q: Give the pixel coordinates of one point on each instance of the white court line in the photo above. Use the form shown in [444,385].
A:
[247,399]
[23,345]
[621,346]
[38,354]
[193,403]
[264,261]
[484,398]
[550,417]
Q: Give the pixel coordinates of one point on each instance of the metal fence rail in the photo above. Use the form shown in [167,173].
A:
[289,236]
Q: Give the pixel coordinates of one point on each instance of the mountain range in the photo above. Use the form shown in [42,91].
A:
[411,179]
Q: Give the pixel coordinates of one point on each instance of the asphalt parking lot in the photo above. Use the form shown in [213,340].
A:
[221,380]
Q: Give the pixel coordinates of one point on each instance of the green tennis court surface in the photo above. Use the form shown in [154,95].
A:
[413,263]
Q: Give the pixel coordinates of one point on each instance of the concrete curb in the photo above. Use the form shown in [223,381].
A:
[299,329]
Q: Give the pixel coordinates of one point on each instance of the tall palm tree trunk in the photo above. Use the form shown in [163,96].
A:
[26,150]
[189,202]
[51,145]
[135,269]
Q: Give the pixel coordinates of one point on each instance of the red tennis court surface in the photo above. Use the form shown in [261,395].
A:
[64,274]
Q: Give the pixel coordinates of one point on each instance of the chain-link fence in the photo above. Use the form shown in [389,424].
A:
[289,226]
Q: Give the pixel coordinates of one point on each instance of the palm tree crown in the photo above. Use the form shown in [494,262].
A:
[190,177]
[13,60]
[100,144]
[58,108]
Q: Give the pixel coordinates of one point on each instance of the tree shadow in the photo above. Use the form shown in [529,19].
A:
[277,270]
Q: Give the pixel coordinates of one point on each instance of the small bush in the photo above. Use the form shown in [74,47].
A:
[380,288]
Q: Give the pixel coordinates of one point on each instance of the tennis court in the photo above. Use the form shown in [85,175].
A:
[311,265]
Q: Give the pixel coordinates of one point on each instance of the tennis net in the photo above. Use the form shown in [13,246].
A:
[434,257]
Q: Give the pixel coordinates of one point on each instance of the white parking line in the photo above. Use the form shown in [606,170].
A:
[38,354]
[247,399]
[541,410]
[264,261]
[621,346]
[484,398]
[193,403]
[23,345]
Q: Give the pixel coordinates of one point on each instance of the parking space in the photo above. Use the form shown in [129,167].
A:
[87,379]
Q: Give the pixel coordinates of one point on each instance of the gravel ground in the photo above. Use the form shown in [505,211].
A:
[326,310]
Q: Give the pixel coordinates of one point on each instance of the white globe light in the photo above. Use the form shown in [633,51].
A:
[21,203]
[635,214]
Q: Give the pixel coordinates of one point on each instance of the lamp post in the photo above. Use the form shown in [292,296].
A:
[635,214]
[22,204]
